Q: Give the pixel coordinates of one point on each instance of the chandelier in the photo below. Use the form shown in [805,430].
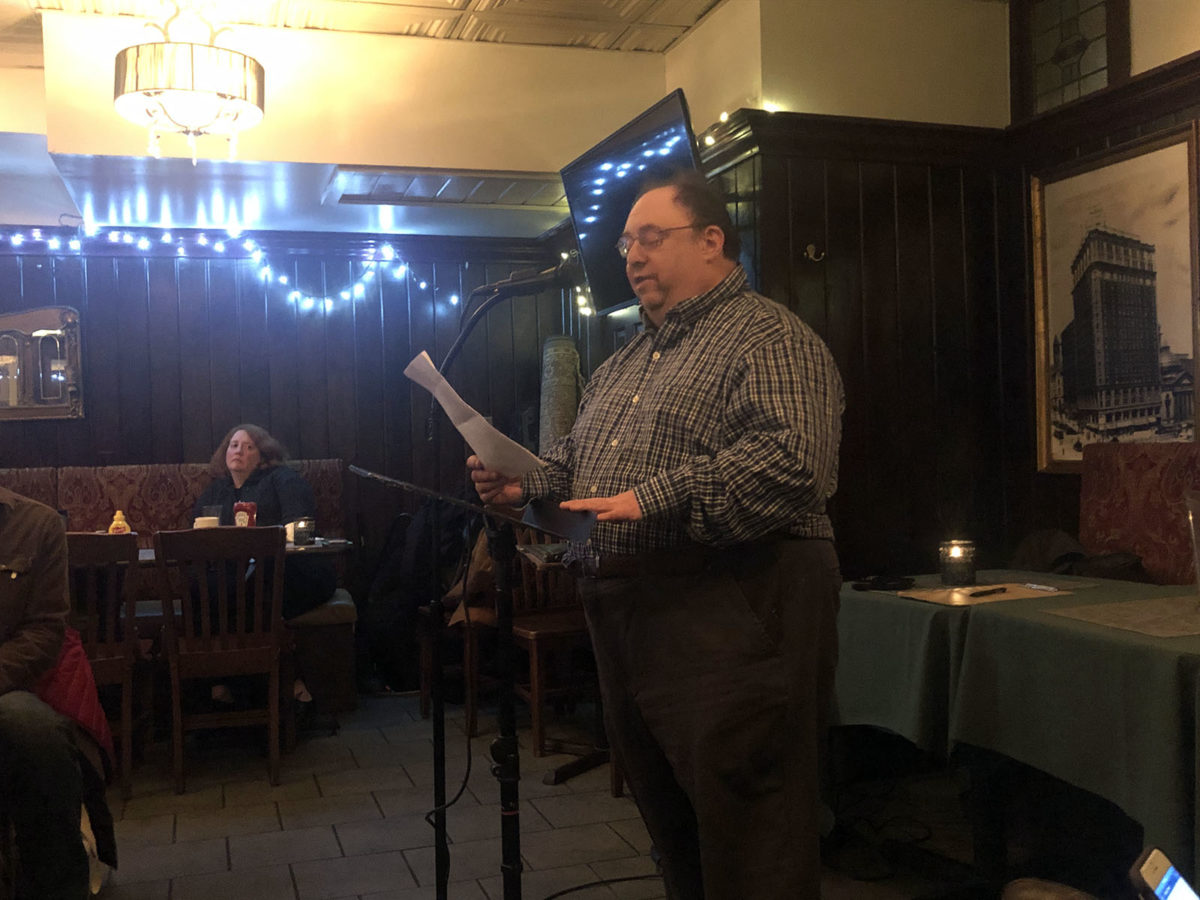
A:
[189,88]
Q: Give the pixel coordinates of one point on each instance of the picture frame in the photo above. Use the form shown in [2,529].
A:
[1115,297]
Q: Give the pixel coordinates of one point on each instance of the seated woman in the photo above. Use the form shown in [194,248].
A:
[248,465]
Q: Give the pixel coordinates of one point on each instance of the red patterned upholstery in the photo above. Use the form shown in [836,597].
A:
[195,478]
[36,484]
[153,498]
[1131,499]
[325,476]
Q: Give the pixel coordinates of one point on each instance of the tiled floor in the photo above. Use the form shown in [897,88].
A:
[347,821]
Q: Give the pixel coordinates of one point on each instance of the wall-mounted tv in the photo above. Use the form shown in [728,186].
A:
[600,186]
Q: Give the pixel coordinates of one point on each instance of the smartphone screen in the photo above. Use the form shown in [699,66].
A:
[1174,887]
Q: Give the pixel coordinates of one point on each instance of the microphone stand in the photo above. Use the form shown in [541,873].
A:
[502,547]
[437,613]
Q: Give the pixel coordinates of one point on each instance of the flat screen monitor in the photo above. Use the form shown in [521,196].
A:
[600,186]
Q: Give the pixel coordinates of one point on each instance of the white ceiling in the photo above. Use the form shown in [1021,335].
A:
[327,197]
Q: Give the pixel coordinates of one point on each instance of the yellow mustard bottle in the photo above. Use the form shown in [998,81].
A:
[119,525]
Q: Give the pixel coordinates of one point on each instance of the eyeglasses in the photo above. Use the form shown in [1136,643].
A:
[649,236]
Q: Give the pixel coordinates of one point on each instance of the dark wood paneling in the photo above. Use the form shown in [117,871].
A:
[163,354]
[369,406]
[842,274]
[805,287]
[101,329]
[421,316]
[887,420]
[988,514]
[133,362]
[398,348]
[254,369]
[283,353]
[919,415]
[311,441]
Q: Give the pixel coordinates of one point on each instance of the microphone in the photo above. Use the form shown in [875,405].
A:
[524,281]
[530,281]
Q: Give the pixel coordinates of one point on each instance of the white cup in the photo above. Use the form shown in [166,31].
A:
[206,522]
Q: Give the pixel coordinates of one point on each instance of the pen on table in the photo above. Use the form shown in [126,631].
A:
[1049,588]
[987,592]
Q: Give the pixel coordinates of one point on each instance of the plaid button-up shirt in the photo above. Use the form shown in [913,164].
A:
[725,422]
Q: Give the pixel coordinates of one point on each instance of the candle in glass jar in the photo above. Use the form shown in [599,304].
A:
[957,562]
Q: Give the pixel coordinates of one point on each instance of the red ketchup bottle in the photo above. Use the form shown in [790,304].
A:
[245,513]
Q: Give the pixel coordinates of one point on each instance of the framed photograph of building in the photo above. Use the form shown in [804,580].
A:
[1115,283]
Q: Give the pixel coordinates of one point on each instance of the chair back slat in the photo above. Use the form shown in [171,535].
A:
[102,578]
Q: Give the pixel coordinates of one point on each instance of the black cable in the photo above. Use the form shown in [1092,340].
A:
[602,881]
[466,573]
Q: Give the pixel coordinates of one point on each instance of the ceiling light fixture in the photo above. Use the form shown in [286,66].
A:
[189,88]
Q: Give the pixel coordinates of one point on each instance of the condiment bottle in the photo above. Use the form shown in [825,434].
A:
[245,513]
[119,525]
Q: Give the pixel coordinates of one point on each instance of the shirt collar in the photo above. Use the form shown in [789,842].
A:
[694,308]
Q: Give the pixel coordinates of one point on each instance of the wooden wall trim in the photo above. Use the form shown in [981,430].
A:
[750,131]
[1152,101]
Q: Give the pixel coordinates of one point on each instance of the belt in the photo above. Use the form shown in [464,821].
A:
[683,560]
[676,561]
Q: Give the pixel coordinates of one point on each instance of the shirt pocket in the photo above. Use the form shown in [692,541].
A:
[14,584]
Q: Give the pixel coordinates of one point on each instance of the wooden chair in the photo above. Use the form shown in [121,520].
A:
[229,584]
[548,623]
[103,574]
[477,566]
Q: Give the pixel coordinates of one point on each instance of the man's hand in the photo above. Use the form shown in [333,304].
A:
[620,508]
[492,487]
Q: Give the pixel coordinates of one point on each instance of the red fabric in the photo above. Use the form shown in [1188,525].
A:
[1131,499]
[70,689]
[195,478]
[36,484]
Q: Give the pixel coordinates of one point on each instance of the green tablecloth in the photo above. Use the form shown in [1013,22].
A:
[1111,711]
[898,664]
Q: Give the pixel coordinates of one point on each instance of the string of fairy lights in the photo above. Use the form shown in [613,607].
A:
[378,262]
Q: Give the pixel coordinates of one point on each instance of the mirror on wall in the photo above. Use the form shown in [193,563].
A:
[40,370]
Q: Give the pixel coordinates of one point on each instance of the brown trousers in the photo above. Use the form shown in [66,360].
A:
[717,683]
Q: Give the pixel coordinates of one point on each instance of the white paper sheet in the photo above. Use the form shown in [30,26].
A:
[498,453]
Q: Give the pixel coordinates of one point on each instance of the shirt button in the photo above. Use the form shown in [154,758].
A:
[655,355]
[635,398]
[615,442]
[595,489]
